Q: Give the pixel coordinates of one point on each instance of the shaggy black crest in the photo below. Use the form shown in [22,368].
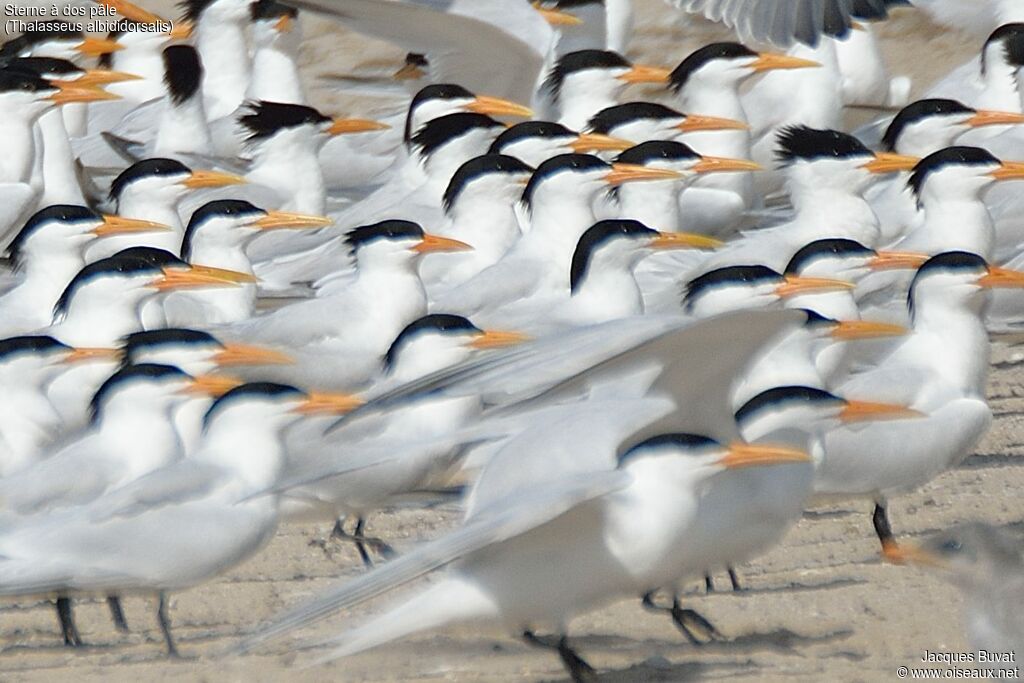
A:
[801,143]
[610,118]
[581,61]
[218,207]
[44,66]
[597,236]
[13,80]
[528,130]
[191,9]
[825,249]
[267,390]
[271,9]
[183,72]
[783,396]
[442,130]
[678,441]
[28,344]
[435,91]
[64,213]
[918,111]
[130,373]
[699,58]
[655,150]
[267,118]
[24,43]
[488,164]
[1012,38]
[160,258]
[145,169]
[385,230]
[437,322]
[558,164]
[950,261]
[950,156]
[730,275]
[115,265]
[137,342]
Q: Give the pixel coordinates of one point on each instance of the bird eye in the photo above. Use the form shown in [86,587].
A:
[952,546]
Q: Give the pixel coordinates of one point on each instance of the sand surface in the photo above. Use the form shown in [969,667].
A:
[819,607]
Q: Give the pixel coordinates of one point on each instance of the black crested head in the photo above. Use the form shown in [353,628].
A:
[567,4]
[785,396]
[946,262]
[918,111]
[442,130]
[267,118]
[816,320]
[610,118]
[158,258]
[724,277]
[950,156]
[488,164]
[63,213]
[385,230]
[827,248]
[598,235]
[14,80]
[183,72]
[192,9]
[435,322]
[253,390]
[144,169]
[147,372]
[139,342]
[24,43]
[529,130]
[560,164]
[582,60]
[271,9]
[1012,38]
[45,66]
[701,57]
[15,346]
[657,150]
[117,265]
[434,91]
[218,207]
[663,442]
[802,143]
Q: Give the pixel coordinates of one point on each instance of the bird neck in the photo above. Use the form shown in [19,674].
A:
[275,76]
[91,324]
[557,223]
[45,275]
[577,105]
[60,179]
[951,342]
[608,291]
[124,427]
[788,362]
[999,83]
[144,61]
[954,224]
[487,223]
[399,298]
[30,423]
[183,129]
[656,205]
[225,54]
[254,458]
[19,157]
[148,206]
[220,250]
[840,212]
[289,163]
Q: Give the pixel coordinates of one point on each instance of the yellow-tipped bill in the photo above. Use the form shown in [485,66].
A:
[118,225]
[796,285]
[866,411]
[351,126]
[694,123]
[200,179]
[849,330]
[89,355]
[283,24]
[756,455]
[595,142]
[988,117]
[556,17]
[200,277]
[276,220]
[887,162]
[322,403]
[97,77]
[725,165]
[213,386]
[1009,170]
[1002,278]
[496,106]
[646,74]
[94,47]
[497,339]
[436,244]
[897,260]
[246,354]
[771,61]
[684,240]
[633,173]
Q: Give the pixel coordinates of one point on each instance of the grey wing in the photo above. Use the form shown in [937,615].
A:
[539,507]
[178,483]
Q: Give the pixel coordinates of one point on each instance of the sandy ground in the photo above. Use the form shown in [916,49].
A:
[820,607]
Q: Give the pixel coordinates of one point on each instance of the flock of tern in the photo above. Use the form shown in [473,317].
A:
[632,338]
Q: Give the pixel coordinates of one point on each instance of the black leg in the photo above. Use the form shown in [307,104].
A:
[117,614]
[736,587]
[358,538]
[697,629]
[165,625]
[883,530]
[67,623]
[578,669]
[709,583]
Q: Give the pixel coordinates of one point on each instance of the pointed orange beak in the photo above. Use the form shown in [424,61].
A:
[118,225]
[694,123]
[796,285]
[69,93]
[322,403]
[213,386]
[897,260]
[181,31]
[200,179]
[850,330]
[495,106]
[987,117]
[724,165]
[200,277]
[865,411]
[246,354]
[275,220]
[284,24]
[351,126]
[409,72]
[436,244]
[1009,170]
[771,61]
[742,455]
[594,142]
[1002,278]
[94,47]
[98,77]
[646,74]
[887,162]
[88,355]
[684,240]
[634,173]
[557,17]
[496,339]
